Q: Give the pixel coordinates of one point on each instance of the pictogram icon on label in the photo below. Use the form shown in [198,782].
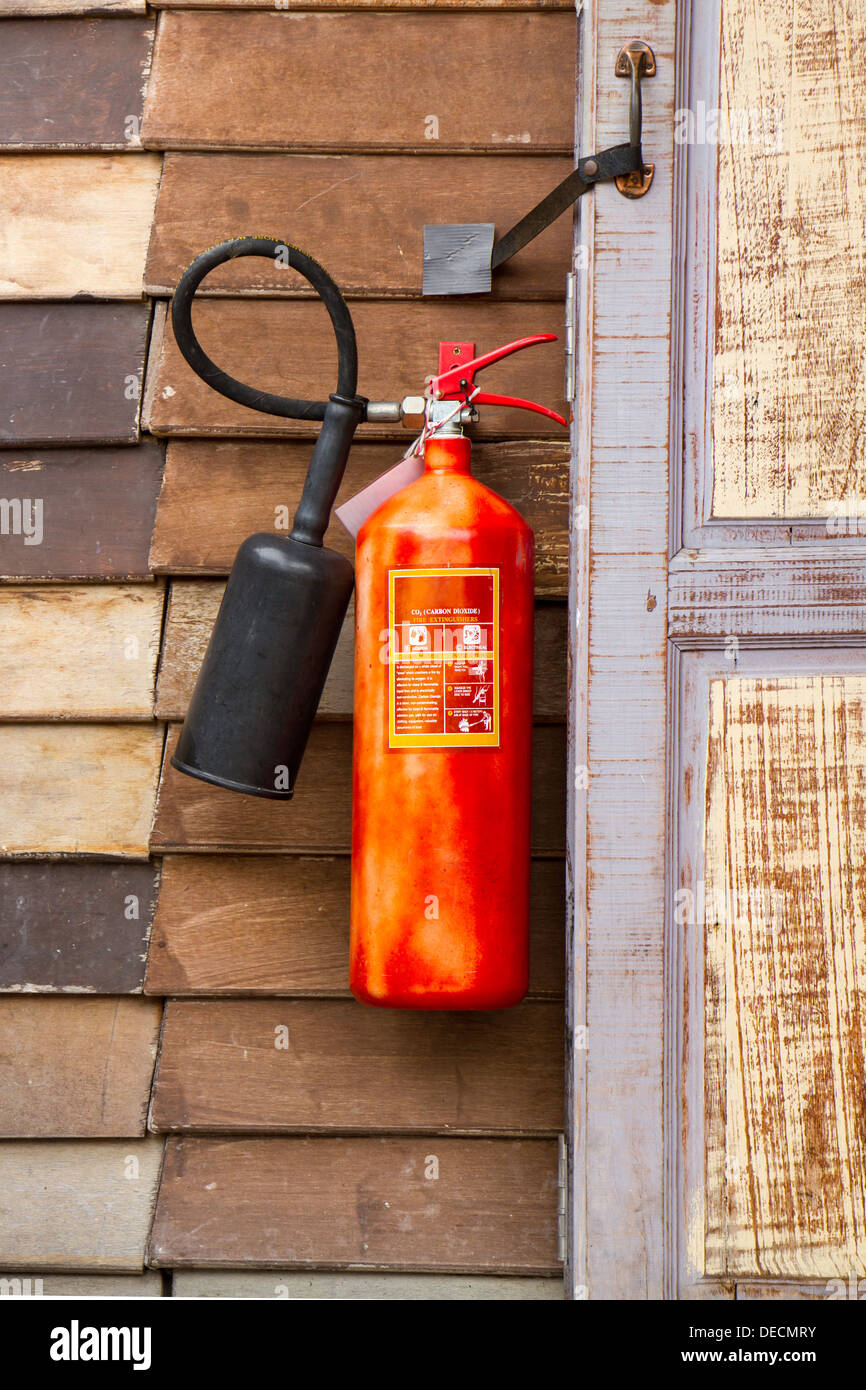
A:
[443,668]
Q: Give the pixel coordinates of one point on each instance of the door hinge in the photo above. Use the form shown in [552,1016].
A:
[570,332]
[562,1200]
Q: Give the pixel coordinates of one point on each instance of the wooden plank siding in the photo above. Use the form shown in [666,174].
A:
[95,1086]
[251,81]
[316,199]
[78,513]
[78,926]
[147,1285]
[192,609]
[44,9]
[194,815]
[77,789]
[79,652]
[77,1205]
[391,1203]
[284,346]
[84,83]
[309,1066]
[214,1283]
[381,1153]
[76,225]
[71,373]
[295,911]
[217,492]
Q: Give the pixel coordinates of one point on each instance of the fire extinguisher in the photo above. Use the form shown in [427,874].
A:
[444,576]
[443,672]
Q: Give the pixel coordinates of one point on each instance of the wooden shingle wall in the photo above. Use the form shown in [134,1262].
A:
[186,1085]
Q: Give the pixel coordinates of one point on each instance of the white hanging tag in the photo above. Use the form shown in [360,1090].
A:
[354,513]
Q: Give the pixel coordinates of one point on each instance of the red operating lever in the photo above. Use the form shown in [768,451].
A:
[457,382]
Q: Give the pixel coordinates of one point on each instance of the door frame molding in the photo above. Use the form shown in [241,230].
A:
[620,1188]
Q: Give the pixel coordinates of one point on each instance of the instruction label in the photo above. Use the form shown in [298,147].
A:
[443,667]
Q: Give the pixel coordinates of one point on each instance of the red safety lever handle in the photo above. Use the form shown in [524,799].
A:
[455,383]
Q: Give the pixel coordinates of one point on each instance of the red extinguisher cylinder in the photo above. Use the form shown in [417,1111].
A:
[442,744]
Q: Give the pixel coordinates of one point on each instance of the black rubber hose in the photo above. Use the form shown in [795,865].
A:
[203,366]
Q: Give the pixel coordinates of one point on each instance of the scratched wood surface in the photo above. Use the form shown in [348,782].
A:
[192,609]
[81,927]
[78,513]
[82,1205]
[767,1290]
[71,373]
[714,595]
[73,1068]
[255,1066]
[296,926]
[289,346]
[76,225]
[79,651]
[218,492]
[39,9]
[215,1283]
[363,216]
[785,976]
[84,87]
[254,81]
[788,400]
[193,815]
[398,1203]
[77,789]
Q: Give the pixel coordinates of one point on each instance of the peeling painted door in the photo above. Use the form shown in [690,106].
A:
[718,965]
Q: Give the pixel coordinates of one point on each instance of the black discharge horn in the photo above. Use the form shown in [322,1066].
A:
[272,645]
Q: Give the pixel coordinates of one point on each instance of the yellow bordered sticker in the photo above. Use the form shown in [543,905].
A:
[443,658]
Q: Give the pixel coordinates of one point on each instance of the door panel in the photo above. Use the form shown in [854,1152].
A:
[768,906]
[788,401]
[770,131]
[785,974]
[718,1145]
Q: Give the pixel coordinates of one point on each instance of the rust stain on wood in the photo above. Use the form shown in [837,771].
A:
[785,1067]
[788,391]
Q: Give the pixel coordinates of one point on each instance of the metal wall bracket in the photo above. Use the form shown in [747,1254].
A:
[635,61]
[457,257]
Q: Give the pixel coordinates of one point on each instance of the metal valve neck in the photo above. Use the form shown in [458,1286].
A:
[447,419]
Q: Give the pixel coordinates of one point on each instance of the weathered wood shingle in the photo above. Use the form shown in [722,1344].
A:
[73,83]
[447,1204]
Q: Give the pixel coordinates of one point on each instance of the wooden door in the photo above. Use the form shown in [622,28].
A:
[718,1104]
